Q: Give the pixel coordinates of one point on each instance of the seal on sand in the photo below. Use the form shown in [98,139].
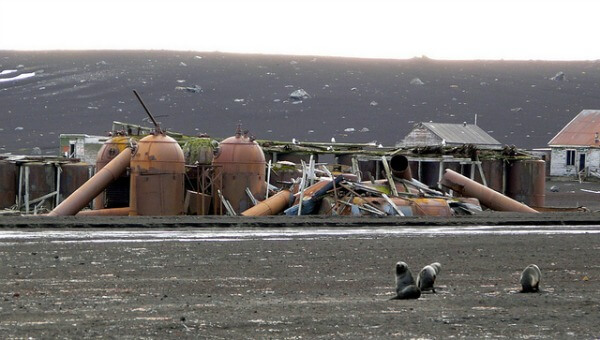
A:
[427,276]
[405,284]
[530,279]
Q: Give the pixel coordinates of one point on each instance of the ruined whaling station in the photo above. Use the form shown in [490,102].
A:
[142,171]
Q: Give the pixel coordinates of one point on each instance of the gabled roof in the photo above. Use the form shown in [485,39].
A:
[461,134]
[581,131]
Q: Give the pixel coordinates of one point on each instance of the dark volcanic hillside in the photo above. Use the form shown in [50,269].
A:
[83,92]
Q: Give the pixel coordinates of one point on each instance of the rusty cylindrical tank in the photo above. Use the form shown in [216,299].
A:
[72,176]
[527,182]
[8,184]
[42,181]
[157,177]
[90,189]
[117,192]
[243,164]
[490,198]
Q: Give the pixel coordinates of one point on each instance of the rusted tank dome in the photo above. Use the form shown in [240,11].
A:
[243,166]
[157,177]
[110,149]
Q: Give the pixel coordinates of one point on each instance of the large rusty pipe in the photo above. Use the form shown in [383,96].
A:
[271,206]
[400,167]
[94,186]
[490,198]
[105,212]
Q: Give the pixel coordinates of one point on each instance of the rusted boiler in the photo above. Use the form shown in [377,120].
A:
[157,177]
[243,166]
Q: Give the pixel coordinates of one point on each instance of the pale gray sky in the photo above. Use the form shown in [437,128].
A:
[450,29]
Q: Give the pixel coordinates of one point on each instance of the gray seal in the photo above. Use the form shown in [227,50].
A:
[530,279]
[427,276]
[405,284]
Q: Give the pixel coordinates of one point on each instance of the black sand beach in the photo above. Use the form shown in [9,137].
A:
[353,100]
[94,284]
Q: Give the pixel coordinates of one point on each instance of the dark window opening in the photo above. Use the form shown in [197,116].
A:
[570,157]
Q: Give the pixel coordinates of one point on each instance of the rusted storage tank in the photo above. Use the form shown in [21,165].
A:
[157,177]
[243,164]
[116,195]
[430,173]
[72,176]
[8,184]
[493,170]
[41,179]
[526,182]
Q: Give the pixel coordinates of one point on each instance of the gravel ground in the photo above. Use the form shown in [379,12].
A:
[101,283]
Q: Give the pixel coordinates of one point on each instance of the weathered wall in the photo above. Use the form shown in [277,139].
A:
[421,136]
[559,167]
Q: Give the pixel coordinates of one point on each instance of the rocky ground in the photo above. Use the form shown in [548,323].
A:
[293,286]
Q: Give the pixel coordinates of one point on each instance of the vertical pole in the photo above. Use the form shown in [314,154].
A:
[268,178]
[302,184]
[58,172]
[20,193]
[311,169]
[27,189]
[441,172]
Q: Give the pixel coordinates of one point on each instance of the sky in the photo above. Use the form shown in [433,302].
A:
[450,29]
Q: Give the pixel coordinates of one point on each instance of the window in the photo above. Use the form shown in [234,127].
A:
[570,157]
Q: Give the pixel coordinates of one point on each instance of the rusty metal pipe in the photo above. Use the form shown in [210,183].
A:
[105,212]
[400,167]
[271,206]
[94,186]
[490,198]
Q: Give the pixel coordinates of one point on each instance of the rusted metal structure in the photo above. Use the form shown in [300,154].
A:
[105,212]
[407,207]
[271,206]
[8,184]
[90,189]
[400,167]
[490,198]
[117,193]
[157,174]
[526,182]
[71,177]
[243,166]
[38,179]
[201,189]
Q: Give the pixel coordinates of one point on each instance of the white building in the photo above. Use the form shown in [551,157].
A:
[576,148]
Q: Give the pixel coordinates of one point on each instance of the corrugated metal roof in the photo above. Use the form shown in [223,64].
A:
[581,131]
[461,134]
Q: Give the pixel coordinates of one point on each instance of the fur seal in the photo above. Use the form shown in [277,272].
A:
[427,276]
[530,279]
[405,284]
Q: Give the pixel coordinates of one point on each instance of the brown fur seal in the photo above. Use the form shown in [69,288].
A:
[530,279]
[405,284]
[427,276]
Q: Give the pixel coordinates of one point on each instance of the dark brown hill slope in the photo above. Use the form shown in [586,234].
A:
[353,100]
